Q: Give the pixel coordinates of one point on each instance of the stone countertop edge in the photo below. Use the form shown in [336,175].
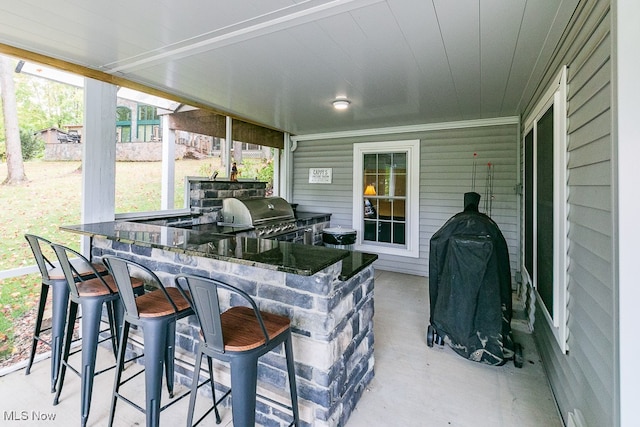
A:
[353,262]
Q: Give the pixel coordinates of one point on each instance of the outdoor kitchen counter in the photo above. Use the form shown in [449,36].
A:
[304,260]
[327,293]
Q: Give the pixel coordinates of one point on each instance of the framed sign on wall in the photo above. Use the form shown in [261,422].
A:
[320,175]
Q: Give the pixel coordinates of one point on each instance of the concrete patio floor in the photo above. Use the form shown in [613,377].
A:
[414,385]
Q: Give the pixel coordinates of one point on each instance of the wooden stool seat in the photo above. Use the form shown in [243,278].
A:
[95,287]
[155,303]
[242,331]
[82,269]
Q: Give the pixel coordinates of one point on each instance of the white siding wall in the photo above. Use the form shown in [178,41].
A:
[446,167]
[584,379]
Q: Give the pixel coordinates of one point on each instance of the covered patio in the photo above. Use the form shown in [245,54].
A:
[454,78]
[414,385]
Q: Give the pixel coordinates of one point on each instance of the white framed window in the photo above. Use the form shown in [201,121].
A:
[545,205]
[386,197]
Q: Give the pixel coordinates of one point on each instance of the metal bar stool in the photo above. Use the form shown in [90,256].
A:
[90,293]
[156,312]
[53,277]
[239,336]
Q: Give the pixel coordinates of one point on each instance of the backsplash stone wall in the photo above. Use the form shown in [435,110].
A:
[205,200]
[206,195]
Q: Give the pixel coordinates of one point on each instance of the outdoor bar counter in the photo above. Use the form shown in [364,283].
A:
[327,293]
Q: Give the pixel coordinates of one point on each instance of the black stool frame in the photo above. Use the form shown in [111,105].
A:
[244,364]
[92,315]
[59,303]
[159,340]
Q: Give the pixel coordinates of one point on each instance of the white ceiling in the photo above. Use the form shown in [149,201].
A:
[282,62]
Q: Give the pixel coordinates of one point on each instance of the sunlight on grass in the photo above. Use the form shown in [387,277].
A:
[17,296]
[52,198]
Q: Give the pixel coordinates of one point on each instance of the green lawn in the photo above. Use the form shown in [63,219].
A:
[52,198]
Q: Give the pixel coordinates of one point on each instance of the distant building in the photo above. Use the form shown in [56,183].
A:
[139,138]
[54,135]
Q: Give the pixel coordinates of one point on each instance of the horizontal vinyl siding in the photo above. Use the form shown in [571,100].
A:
[584,379]
[447,173]
[334,198]
[446,166]
[337,198]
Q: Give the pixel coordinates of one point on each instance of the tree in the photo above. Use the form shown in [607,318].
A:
[43,103]
[15,164]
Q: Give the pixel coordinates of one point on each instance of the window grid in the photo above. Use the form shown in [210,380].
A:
[384,197]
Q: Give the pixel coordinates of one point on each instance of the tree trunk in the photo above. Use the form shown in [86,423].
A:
[15,165]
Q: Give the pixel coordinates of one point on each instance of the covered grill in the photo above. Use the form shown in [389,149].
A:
[270,216]
[470,288]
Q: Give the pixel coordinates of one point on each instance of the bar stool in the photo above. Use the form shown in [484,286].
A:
[239,336]
[156,312]
[90,293]
[53,277]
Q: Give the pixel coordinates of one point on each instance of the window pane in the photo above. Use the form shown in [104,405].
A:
[384,232]
[544,206]
[370,230]
[384,162]
[399,212]
[123,114]
[384,189]
[370,163]
[400,161]
[370,210]
[399,233]
[123,133]
[370,185]
[528,202]
[384,210]
[147,112]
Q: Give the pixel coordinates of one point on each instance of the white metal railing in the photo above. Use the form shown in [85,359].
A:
[22,271]
[17,272]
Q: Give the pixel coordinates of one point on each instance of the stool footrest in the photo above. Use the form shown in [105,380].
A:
[141,409]
[213,407]
[42,340]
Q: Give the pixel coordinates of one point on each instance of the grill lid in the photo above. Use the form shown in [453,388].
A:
[257,211]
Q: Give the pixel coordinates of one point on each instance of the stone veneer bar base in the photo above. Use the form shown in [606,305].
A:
[332,322]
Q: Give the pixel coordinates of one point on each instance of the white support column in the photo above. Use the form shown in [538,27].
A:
[276,172]
[286,168]
[626,69]
[167,200]
[228,145]
[98,154]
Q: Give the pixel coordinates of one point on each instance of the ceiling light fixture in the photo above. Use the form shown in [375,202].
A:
[341,104]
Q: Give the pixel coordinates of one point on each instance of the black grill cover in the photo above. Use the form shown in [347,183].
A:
[470,286]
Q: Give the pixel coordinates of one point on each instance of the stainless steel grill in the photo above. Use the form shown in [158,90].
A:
[270,216]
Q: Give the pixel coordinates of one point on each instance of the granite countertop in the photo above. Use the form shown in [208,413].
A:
[304,260]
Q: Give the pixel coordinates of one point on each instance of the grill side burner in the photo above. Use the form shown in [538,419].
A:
[270,216]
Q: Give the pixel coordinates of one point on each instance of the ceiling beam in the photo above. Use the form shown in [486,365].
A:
[27,55]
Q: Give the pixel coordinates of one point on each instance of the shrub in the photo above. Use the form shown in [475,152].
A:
[259,169]
[32,146]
